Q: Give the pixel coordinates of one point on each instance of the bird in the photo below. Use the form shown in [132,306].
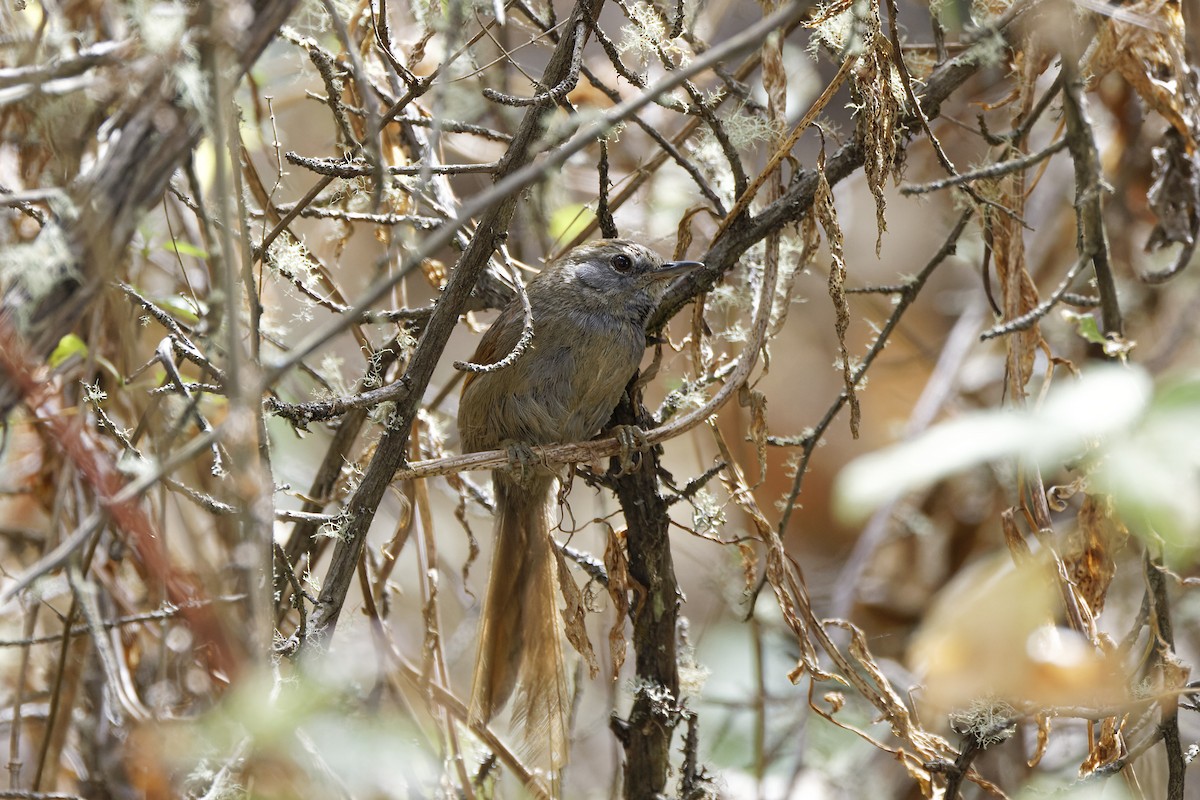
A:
[589,310]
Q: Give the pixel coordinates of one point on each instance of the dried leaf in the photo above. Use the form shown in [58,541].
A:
[1018,293]
[574,615]
[1175,194]
[1146,44]
[434,272]
[878,93]
[876,87]
[757,403]
[619,586]
[827,215]
[1017,546]
[1107,747]
[775,79]
[810,241]
[1043,740]
[1090,547]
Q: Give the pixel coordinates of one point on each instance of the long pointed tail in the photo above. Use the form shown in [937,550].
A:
[521,630]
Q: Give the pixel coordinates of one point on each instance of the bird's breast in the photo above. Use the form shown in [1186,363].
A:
[563,389]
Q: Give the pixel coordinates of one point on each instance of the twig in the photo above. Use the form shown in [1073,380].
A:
[326,64]
[1026,320]
[990,171]
[1089,188]
[454,126]
[556,93]
[920,116]
[522,343]
[340,168]
[319,212]
[608,226]
[98,54]
[1162,639]
[667,146]
[369,144]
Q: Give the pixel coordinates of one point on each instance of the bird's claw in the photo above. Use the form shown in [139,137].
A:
[633,441]
[522,461]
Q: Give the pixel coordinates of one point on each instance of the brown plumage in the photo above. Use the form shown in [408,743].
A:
[589,314]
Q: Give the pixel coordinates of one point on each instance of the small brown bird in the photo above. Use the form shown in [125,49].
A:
[589,314]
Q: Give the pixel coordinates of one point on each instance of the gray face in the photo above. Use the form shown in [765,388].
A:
[617,274]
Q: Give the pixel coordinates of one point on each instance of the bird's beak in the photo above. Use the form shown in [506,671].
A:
[673,269]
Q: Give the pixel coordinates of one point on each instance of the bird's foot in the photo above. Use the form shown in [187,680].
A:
[633,442]
[523,463]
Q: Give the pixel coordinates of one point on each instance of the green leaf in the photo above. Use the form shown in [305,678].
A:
[1085,326]
[68,347]
[181,307]
[186,249]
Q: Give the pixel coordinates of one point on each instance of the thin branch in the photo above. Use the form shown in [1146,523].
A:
[523,342]
[1089,189]
[990,171]
[340,168]
[556,93]
[1026,320]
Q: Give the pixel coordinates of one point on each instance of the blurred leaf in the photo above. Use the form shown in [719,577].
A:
[182,307]
[988,634]
[1105,401]
[1153,473]
[68,346]
[570,220]
[1148,457]
[185,249]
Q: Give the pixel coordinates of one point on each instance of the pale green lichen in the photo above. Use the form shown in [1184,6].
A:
[648,33]
[988,720]
[708,514]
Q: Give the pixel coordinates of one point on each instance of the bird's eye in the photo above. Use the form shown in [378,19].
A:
[622,263]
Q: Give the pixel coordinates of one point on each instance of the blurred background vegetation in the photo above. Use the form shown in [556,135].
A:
[948,246]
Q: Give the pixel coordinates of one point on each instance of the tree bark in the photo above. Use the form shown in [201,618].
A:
[646,735]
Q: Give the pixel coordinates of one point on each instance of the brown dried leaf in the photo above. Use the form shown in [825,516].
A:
[574,615]
[876,83]
[1173,674]
[749,565]
[1018,293]
[827,215]
[775,80]
[619,586]
[1090,547]
[1107,747]
[1146,43]
[810,241]
[683,231]
[757,403]
[876,87]
[1017,546]
[900,717]
[1043,740]
[434,272]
